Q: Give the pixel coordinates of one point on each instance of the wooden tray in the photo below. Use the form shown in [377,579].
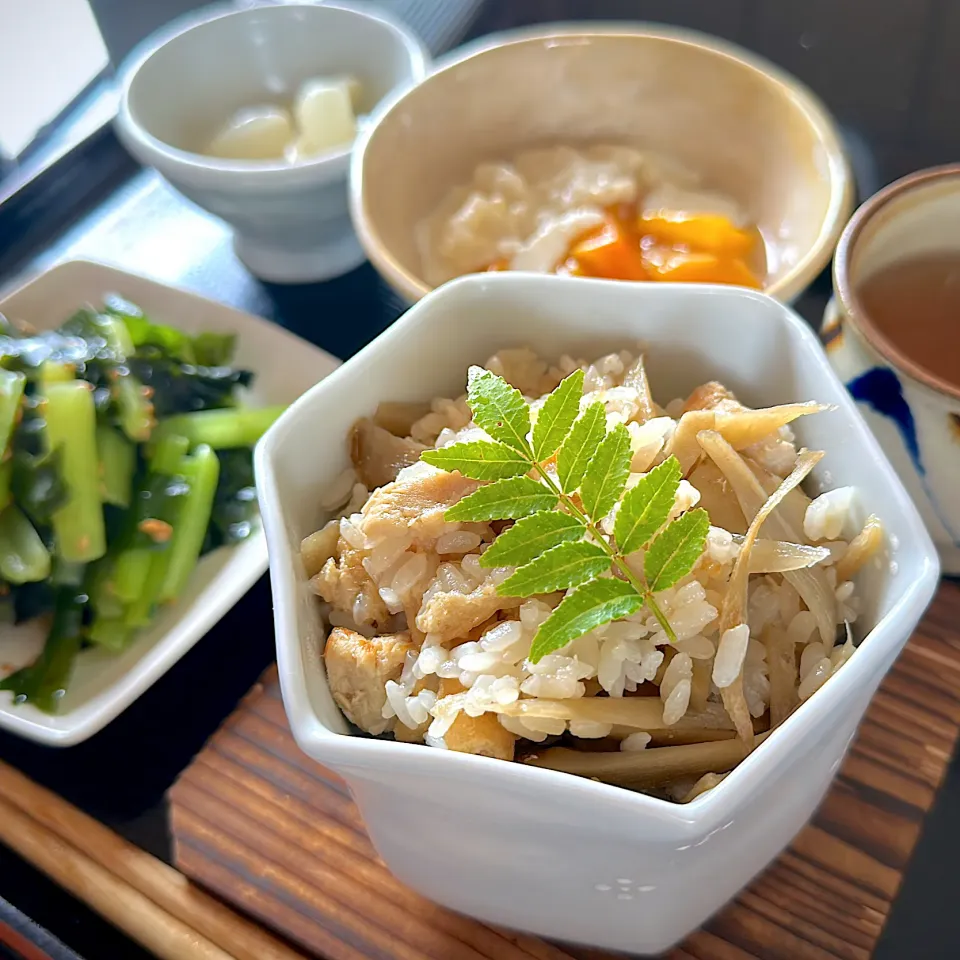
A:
[278,836]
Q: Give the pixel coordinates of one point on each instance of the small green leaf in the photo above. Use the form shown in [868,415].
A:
[575,452]
[672,555]
[646,506]
[498,408]
[567,565]
[479,460]
[556,416]
[588,607]
[530,537]
[606,474]
[503,500]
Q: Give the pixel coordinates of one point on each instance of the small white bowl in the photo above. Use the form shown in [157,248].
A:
[185,81]
[554,854]
[105,684]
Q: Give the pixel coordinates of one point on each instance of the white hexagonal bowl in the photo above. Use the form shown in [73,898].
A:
[104,684]
[534,849]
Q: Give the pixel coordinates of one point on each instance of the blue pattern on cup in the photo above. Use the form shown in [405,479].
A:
[879,388]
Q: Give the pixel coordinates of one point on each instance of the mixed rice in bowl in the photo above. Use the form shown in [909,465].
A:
[659,592]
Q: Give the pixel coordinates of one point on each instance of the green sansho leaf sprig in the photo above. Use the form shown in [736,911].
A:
[559,480]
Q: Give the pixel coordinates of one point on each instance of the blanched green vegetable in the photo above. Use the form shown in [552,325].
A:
[104,514]
[167,453]
[235,505]
[203,349]
[136,568]
[35,476]
[130,574]
[44,682]
[118,461]
[104,602]
[219,429]
[6,475]
[134,409]
[140,612]
[28,354]
[113,634]
[71,433]
[201,470]
[53,371]
[11,393]
[67,574]
[23,557]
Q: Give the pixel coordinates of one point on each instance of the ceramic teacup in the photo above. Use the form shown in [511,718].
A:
[914,414]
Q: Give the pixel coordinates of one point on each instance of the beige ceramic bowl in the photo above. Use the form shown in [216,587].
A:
[748,129]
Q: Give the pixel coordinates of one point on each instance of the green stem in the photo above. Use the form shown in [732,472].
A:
[44,682]
[11,395]
[23,556]
[133,399]
[6,475]
[221,429]
[130,573]
[201,469]
[111,634]
[71,430]
[616,558]
[118,461]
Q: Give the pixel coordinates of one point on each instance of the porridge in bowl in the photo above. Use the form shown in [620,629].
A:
[558,570]
[606,211]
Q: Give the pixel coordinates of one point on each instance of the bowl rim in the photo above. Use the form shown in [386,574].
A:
[329,164]
[847,293]
[345,752]
[790,285]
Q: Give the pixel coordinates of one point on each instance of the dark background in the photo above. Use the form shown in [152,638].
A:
[889,71]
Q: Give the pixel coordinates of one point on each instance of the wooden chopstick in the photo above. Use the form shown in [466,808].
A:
[146,898]
[113,899]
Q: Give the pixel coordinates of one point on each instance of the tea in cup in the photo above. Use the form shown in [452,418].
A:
[892,331]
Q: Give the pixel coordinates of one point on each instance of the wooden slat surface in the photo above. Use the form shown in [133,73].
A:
[278,836]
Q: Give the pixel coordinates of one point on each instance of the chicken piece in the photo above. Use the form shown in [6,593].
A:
[319,547]
[483,735]
[358,670]
[348,587]
[403,734]
[378,456]
[399,418]
[712,396]
[414,505]
[452,615]
[444,414]
[521,368]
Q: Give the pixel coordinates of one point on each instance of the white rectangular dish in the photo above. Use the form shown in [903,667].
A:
[104,684]
[561,856]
